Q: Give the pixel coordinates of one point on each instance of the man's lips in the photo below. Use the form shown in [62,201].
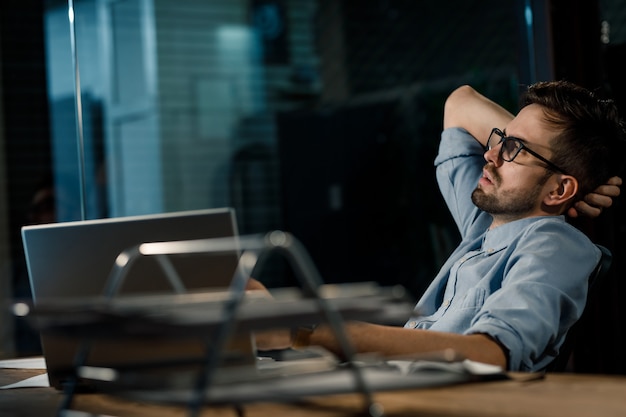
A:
[487,177]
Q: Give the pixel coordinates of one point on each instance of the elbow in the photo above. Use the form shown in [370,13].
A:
[487,349]
[454,105]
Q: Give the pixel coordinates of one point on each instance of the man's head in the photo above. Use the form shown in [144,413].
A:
[589,141]
[561,145]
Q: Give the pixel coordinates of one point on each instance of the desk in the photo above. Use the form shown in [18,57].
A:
[555,395]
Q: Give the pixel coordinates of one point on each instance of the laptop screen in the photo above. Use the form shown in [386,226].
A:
[75,259]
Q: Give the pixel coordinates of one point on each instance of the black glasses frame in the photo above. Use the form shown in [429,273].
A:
[520,145]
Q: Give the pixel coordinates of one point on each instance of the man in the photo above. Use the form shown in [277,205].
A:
[518,280]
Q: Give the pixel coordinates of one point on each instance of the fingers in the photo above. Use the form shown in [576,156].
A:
[615,181]
[255,288]
[592,205]
[273,339]
[253,284]
[584,209]
[609,190]
[599,200]
[571,212]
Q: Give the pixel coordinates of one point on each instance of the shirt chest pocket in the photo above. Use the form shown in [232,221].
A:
[458,317]
[473,299]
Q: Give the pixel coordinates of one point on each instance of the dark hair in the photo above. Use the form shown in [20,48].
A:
[590,145]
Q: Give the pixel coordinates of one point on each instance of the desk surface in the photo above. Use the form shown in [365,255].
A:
[555,395]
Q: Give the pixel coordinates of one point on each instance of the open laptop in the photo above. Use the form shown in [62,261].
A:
[74,260]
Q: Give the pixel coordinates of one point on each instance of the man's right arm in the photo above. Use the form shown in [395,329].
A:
[470,110]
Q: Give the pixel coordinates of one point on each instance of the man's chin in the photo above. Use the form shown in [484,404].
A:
[478,194]
[481,199]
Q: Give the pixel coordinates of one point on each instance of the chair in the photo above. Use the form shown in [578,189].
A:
[560,363]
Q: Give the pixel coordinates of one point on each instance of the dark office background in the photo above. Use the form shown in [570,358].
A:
[357,187]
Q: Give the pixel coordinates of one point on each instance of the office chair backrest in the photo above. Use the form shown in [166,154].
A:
[597,275]
[603,266]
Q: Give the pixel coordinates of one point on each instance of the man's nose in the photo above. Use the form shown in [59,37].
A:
[493,155]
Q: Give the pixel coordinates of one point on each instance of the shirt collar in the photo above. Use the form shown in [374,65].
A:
[501,236]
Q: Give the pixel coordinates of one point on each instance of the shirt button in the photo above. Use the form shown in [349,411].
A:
[446,303]
[412,324]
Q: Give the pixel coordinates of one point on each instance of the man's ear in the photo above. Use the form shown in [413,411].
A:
[564,190]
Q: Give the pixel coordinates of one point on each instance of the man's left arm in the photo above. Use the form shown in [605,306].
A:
[601,198]
[387,341]
[392,341]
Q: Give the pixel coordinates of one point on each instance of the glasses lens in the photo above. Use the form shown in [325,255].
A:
[494,138]
[510,148]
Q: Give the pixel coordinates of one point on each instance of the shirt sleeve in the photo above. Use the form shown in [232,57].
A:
[543,294]
[459,165]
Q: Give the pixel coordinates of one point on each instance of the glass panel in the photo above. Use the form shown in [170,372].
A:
[313,116]
[318,117]
[127,51]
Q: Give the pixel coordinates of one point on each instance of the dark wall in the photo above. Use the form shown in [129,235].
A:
[355,185]
[24,95]
[580,56]
[359,189]
[26,134]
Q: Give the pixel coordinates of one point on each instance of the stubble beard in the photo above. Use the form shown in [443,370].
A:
[510,205]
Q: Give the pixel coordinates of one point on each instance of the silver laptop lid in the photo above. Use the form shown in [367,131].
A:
[74,259]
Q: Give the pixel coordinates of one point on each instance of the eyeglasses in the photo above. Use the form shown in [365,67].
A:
[512,146]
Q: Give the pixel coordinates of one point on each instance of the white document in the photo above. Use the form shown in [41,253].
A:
[39,381]
[37,362]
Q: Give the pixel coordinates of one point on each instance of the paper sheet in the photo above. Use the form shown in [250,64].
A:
[37,362]
[39,381]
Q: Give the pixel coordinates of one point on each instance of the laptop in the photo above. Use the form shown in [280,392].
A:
[73,260]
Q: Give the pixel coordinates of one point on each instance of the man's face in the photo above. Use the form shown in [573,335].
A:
[514,190]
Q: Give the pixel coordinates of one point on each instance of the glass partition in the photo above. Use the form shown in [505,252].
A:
[317,117]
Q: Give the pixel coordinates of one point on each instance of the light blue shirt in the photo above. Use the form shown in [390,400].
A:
[523,283]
